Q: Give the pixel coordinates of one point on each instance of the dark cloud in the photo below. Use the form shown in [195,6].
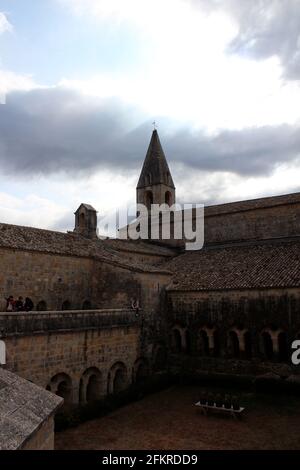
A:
[266,28]
[51,130]
[250,151]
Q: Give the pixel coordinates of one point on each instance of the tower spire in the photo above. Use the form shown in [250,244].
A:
[155,185]
[155,169]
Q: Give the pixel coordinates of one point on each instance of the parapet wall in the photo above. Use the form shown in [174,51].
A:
[75,353]
[31,323]
[278,217]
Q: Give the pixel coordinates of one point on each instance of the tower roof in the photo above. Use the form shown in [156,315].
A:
[155,169]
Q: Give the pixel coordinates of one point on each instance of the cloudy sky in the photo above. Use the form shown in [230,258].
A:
[81,82]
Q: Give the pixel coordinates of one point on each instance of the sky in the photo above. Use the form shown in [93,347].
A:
[81,82]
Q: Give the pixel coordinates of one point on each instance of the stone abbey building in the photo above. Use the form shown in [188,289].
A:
[232,308]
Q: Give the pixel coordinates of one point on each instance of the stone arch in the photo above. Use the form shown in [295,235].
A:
[177,343]
[66,305]
[148,199]
[217,343]
[267,342]
[168,198]
[140,370]
[233,344]
[159,358]
[188,342]
[282,346]
[117,378]
[61,385]
[203,342]
[41,306]
[247,344]
[86,305]
[90,387]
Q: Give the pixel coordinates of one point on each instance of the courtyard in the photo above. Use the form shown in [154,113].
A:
[168,420]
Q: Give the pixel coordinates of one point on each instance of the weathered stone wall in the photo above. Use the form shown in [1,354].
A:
[210,325]
[53,347]
[43,438]
[114,287]
[55,279]
[261,223]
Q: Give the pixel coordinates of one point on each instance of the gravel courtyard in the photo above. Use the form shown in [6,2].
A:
[168,420]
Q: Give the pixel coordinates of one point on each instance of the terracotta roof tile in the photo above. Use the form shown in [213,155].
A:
[47,241]
[248,266]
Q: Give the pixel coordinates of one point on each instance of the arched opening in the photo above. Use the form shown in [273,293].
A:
[61,385]
[86,305]
[92,389]
[168,198]
[188,342]
[66,305]
[119,381]
[267,345]
[282,346]
[217,345]
[176,341]
[203,343]
[234,344]
[90,385]
[148,199]
[117,378]
[160,359]
[41,306]
[248,345]
[81,391]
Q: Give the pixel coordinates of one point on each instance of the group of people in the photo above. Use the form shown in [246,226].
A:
[19,305]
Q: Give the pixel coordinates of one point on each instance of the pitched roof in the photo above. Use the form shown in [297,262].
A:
[156,165]
[254,265]
[250,204]
[139,246]
[23,409]
[73,244]
[86,206]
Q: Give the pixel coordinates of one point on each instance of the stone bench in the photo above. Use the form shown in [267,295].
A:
[205,409]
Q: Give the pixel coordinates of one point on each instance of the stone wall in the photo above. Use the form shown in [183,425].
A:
[276,217]
[58,280]
[237,332]
[260,223]
[114,287]
[43,438]
[51,278]
[76,349]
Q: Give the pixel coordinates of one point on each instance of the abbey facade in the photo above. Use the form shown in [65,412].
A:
[231,308]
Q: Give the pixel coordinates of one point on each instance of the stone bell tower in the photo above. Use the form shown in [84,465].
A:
[155,185]
[86,221]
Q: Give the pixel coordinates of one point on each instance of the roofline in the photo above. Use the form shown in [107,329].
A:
[248,201]
[231,289]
